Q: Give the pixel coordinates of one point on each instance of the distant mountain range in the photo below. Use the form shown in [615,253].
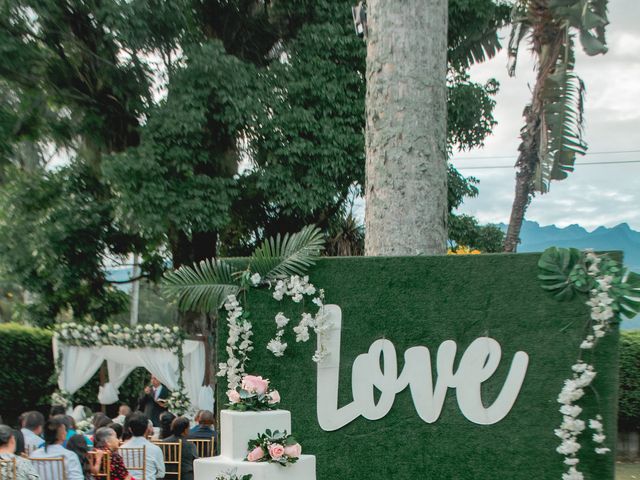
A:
[536,238]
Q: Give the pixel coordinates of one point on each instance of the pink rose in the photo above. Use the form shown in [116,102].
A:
[276,451]
[234,397]
[255,454]
[293,451]
[254,384]
[274,397]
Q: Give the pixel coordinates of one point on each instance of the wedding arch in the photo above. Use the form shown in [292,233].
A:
[179,363]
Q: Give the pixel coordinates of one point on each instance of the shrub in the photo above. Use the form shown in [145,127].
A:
[26,366]
[629,402]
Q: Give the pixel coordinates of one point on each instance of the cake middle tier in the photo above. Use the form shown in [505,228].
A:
[237,428]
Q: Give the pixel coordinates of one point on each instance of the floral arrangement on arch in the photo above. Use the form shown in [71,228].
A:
[178,402]
[274,447]
[613,292]
[253,394]
[279,264]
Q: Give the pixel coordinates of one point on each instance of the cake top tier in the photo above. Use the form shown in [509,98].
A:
[238,428]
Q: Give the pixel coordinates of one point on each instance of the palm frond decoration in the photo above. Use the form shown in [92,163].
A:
[287,255]
[562,129]
[202,287]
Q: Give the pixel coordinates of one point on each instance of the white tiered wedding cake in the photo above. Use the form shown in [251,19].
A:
[236,430]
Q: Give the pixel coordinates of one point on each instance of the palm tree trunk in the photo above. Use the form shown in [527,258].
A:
[406,166]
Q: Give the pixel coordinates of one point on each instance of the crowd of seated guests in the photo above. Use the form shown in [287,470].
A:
[58,437]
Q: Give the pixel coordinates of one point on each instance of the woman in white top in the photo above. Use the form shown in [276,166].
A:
[24,469]
[55,434]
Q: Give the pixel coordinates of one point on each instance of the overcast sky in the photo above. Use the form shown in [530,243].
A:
[594,194]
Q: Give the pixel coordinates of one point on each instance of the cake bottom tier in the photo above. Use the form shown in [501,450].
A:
[210,468]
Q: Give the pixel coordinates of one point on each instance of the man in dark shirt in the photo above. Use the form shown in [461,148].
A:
[205,428]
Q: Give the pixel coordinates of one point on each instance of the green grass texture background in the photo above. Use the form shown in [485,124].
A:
[425,301]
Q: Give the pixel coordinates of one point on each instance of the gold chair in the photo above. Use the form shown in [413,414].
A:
[135,459]
[50,468]
[205,447]
[8,469]
[29,449]
[172,453]
[104,466]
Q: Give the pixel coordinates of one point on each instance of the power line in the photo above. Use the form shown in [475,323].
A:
[577,164]
[611,152]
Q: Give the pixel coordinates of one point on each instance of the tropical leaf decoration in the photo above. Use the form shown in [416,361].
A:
[287,255]
[203,287]
[560,272]
[565,272]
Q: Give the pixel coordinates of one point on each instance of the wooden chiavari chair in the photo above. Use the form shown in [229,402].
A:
[8,469]
[172,453]
[50,468]
[29,449]
[104,466]
[135,458]
[205,447]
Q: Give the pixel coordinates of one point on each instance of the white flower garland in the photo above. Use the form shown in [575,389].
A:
[296,288]
[141,336]
[239,343]
[583,375]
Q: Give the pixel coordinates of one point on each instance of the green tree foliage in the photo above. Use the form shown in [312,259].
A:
[157,104]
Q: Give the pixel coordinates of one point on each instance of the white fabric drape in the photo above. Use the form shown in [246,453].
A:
[79,364]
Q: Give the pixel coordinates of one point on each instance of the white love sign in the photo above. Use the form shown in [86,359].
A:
[478,363]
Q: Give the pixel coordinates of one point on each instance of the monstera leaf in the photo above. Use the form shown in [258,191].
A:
[562,271]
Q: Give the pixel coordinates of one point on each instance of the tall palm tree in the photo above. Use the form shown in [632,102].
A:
[552,134]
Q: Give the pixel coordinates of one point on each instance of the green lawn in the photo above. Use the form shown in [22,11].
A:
[628,471]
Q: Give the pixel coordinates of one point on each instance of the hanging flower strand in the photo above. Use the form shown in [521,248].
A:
[239,343]
[297,288]
[601,303]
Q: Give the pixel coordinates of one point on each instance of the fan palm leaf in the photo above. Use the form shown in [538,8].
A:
[202,287]
[287,255]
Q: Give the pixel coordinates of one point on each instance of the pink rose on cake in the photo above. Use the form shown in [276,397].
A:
[276,451]
[293,451]
[254,384]
[255,454]
[234,397]
[274,397]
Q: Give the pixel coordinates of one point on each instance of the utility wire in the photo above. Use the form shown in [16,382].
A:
[577,164]
[611,152]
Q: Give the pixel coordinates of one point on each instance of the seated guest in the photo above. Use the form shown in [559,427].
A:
[32,424]
[123,411]
[166,419]
[24,469]
[20,449]
[138,424]
[78,445]
[100,420]
[196,420]
[205,428]
[107,441]
[116,427]
[180,430]
[55,434]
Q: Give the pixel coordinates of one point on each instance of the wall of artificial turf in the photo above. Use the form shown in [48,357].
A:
[424,301]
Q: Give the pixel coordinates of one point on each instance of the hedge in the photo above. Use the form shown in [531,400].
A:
[629,404]
[26,368]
